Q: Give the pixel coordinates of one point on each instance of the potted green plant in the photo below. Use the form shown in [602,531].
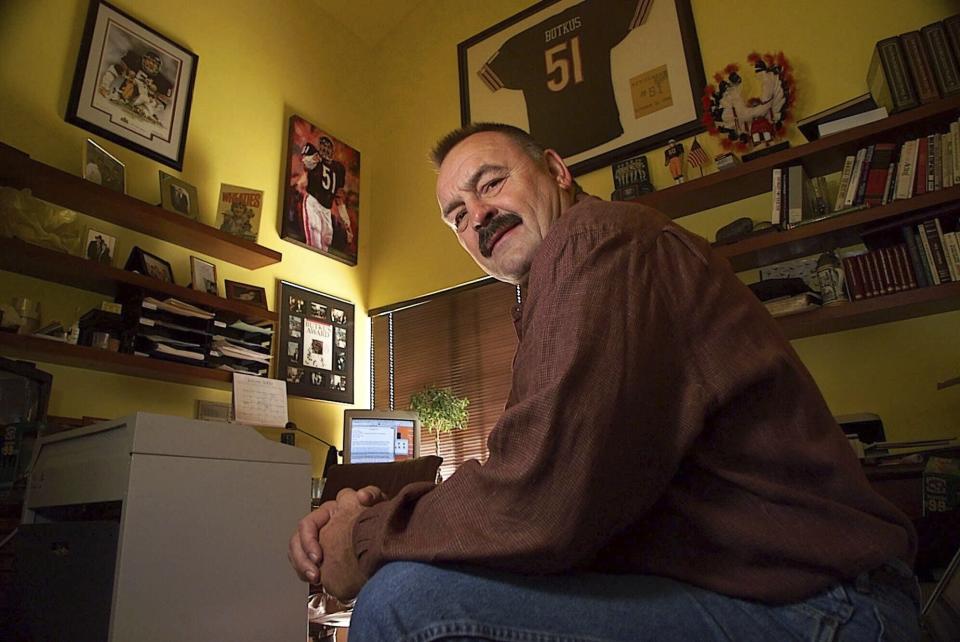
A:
[440,411]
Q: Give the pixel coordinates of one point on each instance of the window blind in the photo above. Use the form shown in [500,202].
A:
[464,340]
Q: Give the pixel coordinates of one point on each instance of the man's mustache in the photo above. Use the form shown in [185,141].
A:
[492,229]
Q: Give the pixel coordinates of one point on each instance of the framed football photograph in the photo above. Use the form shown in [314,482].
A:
[593,79]
[321,200]
[315,356]
[132,85]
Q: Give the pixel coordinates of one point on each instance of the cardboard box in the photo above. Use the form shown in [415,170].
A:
[941,485]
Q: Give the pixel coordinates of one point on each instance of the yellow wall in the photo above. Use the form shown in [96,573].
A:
[259,63]
[262,61]
[891,369]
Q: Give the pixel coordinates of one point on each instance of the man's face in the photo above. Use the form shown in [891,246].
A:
[150,65]
[501,202]
[310,162]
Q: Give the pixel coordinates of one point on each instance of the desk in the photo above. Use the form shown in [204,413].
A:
[938,534]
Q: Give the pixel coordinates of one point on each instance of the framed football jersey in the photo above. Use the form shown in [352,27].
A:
[596,80]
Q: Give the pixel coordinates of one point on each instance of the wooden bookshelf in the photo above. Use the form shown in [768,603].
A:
[822,156]
[18,170]
[818,158]
[47,350]
[908,304]
[832,233]
[49,265]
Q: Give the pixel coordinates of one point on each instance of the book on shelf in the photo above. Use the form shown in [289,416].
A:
[906,169]
[918,62]
[952,247]
[952,26]
[856,176]
[913,255]
[810,125]
[797,303]
[921,169]
[942,59]
[845,176]
[955,137]
[933,243]
[777,196]
[853,277]
[821,197]
[877,174]
[797,195]
[849,122]
[888,79]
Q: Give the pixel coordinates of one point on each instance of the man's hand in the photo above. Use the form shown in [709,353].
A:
[305,553]
[340,572]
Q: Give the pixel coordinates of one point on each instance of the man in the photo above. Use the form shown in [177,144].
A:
[666,471]
[325,178]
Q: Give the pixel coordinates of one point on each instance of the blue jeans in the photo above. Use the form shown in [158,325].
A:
[413,602]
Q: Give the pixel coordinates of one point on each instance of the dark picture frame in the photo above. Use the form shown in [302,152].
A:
[100,246]
[103,168]
[574,73]
[252,294]
[315,346]
[203,276]
[132,85]
[149,265]
[321,205]
[179,196]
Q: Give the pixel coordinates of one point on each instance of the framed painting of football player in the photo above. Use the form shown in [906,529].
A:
[321,199]
[132,85]
[315,353]
[596,80]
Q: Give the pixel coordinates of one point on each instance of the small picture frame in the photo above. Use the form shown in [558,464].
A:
[103,168]
[204,276]
[149,265]
[252,294]
[238,211]
[178,196]
[100,246]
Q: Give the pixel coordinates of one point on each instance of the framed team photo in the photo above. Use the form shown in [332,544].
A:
[321,201]
[132,85]
[596,80]
[315,356]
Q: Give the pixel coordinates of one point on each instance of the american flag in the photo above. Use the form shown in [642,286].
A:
[697,156]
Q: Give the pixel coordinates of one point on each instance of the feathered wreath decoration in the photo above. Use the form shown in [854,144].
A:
[741,122]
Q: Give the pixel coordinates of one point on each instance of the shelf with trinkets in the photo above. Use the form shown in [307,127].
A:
[85,274]
[820,157]
[19,171]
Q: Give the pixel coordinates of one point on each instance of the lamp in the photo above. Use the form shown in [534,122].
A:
[332,452]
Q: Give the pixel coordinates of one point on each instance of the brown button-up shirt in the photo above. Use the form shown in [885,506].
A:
[659,422]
